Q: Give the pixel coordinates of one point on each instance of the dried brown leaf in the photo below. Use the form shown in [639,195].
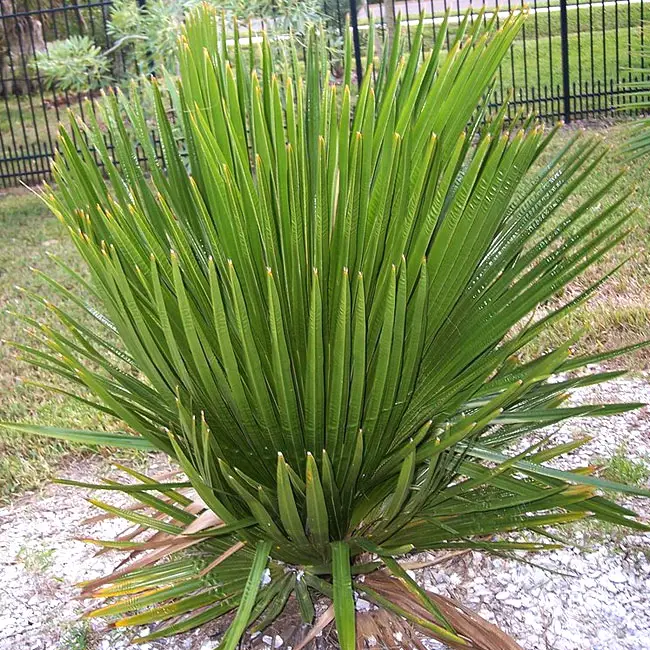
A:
[203,521]
[480,634]
[383,630]
[224,556]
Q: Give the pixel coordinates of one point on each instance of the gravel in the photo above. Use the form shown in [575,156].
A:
[594,596]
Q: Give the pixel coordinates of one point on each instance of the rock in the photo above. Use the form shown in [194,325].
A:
[513,602]
[486,614]
[617,576]
[606,583]
[362,605]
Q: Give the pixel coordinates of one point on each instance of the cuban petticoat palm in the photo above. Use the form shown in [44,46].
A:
[314,303]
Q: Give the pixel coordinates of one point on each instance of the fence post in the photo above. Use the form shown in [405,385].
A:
[355,40]
[566,83]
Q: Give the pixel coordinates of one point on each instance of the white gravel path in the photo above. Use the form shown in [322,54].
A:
[603,605]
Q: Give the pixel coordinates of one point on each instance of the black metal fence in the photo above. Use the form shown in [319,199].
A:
[574,59]
[29,109]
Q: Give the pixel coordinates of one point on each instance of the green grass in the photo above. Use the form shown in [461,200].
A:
[36,560]
[618,315]
[593,58]
[29,234]
[77,637]
[620,468]
[33,128]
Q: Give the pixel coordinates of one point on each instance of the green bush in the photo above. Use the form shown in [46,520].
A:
[314,305]
[75,64]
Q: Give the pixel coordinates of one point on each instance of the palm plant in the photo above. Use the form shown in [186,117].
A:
[314,305]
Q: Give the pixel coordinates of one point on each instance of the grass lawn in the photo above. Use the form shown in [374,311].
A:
[598,57]
[29,235]
[620,314]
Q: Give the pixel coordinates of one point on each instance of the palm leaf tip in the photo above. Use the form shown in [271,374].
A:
[317,309]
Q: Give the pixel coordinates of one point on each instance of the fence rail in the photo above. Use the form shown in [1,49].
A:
[574,59]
